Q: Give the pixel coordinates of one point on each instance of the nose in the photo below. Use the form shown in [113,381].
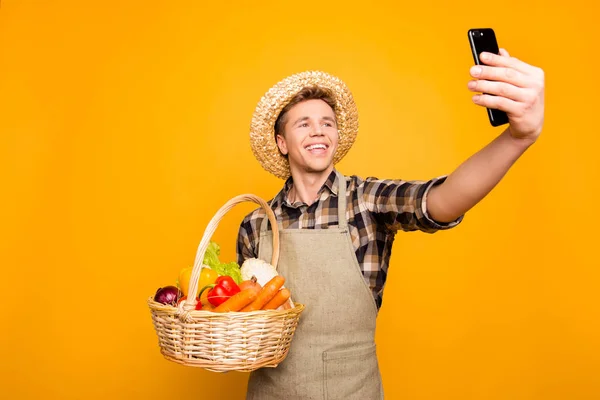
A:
[317,130]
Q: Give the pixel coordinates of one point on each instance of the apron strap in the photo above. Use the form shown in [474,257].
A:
[265,222]
[342,223]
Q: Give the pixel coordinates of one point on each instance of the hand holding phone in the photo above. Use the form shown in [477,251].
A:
[484,40]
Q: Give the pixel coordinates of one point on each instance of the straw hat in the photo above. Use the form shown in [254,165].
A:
[262,129]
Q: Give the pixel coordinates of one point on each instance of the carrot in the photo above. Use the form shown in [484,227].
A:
[285,306]
[268,291]
[277,300]
[238,301]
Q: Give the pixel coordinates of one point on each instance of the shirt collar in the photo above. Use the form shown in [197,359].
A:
[331,184]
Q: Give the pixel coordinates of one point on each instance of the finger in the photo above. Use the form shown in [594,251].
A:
[499,89]
[508,75]
[498,60]
[496,102]
[504,53]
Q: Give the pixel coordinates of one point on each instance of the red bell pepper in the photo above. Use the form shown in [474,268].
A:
[223,288]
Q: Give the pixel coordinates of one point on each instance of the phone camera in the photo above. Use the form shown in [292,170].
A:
[478,34]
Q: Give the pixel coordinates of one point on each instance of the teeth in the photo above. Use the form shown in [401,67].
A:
[316,146]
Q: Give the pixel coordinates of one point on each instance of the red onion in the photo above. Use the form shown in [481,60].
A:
[167,295]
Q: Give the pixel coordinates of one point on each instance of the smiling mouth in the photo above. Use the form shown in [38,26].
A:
[319,146]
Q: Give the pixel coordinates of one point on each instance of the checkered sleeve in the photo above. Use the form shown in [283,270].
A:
[402,205]
[247,239]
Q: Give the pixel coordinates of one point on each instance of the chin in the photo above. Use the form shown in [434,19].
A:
[314,166]
[318,168]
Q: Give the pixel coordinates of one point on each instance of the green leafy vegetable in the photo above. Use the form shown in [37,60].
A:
[231,269]
[211,258]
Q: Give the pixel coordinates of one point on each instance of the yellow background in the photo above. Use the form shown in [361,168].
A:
[124,127]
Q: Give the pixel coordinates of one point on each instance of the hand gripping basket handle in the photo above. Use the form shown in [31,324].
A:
[190,303]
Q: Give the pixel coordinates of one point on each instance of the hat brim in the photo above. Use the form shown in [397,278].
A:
[262,129]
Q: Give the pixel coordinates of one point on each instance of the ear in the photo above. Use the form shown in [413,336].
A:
[282,145]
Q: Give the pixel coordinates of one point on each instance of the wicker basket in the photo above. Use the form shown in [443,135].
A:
[221,342]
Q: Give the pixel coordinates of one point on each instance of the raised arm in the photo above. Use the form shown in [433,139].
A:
[519,90]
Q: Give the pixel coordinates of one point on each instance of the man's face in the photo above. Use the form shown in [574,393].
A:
[311,137]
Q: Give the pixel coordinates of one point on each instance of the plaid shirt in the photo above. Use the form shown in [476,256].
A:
[376,210]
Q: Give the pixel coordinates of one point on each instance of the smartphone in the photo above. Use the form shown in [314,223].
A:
[484,39]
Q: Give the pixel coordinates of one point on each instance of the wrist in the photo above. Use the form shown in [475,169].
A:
[520,142]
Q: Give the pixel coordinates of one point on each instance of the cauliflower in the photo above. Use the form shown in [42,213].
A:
[263,271]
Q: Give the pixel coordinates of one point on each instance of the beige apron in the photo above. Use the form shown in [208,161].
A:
[332,355]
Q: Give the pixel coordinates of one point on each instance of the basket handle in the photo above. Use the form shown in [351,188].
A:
[190,302]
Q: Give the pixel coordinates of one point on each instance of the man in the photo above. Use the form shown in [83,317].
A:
[336,231]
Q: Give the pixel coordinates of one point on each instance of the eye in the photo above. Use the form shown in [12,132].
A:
[328,124]
[303,125]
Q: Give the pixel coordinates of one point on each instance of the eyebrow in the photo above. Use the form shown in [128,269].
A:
[302,119]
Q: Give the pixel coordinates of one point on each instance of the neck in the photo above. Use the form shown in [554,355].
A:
[306,185]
